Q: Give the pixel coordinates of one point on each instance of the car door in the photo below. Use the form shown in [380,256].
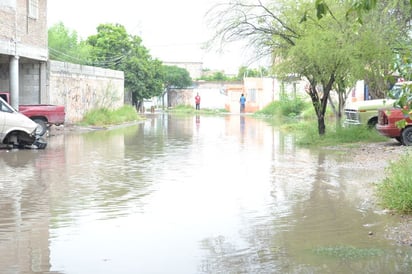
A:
[3,114]
[7,118]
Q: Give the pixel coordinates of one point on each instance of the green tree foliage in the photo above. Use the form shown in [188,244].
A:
[176,77]
[64,45]
[357,7]
[401,14]
[242,73]
[390,19]
[112,47]
[217,76]
[248,72]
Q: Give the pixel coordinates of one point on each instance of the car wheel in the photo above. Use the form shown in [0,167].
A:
[41,128]
[407,136]
[372,123]
[40,144]
[399,139]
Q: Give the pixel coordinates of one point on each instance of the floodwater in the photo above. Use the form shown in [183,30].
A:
[183,195]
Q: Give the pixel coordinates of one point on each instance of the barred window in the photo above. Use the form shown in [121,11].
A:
[33,9]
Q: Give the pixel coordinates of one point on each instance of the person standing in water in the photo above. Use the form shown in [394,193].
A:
[197,101]
[242,103]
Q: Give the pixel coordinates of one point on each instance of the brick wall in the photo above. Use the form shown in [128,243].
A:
[22,35]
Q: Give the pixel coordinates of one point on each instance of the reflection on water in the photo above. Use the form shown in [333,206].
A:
[194,194]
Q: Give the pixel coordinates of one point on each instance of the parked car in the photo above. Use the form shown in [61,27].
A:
[44,115]
[366,112]
[387,126]
[17,130]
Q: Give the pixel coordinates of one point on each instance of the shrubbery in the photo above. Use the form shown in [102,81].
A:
[288,107]
[395,191]
[104,116]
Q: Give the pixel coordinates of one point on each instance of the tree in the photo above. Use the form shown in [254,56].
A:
[328,52]
[402,12]
[248,72]
[112,47]
[216,76]
[64,45]
[175,77]
[358,7]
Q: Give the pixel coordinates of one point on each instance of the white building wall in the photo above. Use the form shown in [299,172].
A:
[211,98]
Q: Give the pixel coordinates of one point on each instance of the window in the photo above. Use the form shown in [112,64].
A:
[5,108]
[33,9]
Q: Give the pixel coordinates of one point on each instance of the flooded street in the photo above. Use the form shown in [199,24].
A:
[197,194]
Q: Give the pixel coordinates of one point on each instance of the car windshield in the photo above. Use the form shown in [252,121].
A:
[396,91]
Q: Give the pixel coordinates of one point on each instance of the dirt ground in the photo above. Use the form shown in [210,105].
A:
[373,157]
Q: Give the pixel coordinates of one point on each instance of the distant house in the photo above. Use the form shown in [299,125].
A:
[195,69]
[260,92]
[24,50]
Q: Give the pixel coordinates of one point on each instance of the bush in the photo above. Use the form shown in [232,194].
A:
[104,116]
[286,106]
[395,191]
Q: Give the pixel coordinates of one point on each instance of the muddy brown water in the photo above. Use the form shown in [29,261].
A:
[190,195]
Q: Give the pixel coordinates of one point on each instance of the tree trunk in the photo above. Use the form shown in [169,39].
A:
[318,106]
[139,106]
[320,103]
[321,125]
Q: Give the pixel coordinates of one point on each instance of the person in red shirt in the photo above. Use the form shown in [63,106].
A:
[197,101]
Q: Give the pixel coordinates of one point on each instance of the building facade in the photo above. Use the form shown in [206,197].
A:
[24,50]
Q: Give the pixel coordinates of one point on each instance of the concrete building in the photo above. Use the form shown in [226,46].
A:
[31,78]
[24,50]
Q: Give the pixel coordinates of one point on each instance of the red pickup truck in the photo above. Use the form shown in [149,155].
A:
[387,126]
[43,114]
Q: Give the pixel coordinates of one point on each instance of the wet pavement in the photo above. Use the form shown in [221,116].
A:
[198,194]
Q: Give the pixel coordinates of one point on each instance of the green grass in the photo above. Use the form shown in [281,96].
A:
[186,109]
[104,116]
[307,133]
[395,191]
[298,116]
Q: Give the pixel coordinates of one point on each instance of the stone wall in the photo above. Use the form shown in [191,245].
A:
[83,88]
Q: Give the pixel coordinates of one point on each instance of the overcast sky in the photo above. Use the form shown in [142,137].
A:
[173,30]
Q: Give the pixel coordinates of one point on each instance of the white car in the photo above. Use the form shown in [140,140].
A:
[17,130]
